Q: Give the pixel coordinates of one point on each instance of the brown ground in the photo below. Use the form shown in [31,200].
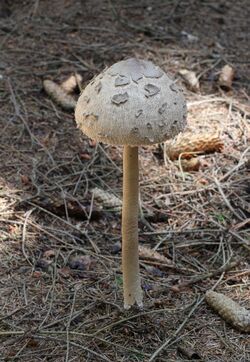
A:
[57,308]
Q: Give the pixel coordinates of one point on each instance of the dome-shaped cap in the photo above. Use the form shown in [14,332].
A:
[131,103]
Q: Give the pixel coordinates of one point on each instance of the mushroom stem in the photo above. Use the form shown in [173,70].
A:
[130,256]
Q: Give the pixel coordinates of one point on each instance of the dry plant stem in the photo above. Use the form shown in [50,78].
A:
[130,255]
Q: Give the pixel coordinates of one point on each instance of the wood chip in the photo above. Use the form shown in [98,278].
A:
[59,95]
[190,79]
[226,78]
[72,83]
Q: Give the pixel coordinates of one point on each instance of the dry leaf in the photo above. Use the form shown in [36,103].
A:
[190,79]
[230,311]
[59,95]
[226,78]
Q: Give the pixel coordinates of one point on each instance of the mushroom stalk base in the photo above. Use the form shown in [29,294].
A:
[130,256]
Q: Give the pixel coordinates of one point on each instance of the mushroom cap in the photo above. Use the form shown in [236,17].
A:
[131,103]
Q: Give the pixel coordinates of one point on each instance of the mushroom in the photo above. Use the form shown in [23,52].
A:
[132,103]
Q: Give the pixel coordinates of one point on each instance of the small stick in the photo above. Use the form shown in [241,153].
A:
[68,326]
[199,278]
[24,235]
[226,200]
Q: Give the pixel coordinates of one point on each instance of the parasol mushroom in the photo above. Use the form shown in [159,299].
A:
[132,103]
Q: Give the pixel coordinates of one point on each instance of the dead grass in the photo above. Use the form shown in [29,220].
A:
[51,311]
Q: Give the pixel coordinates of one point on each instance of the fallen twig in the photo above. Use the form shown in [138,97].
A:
[199,278]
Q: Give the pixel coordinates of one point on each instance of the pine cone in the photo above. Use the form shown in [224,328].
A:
[188,144]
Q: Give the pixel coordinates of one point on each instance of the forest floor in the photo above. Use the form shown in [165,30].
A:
[60,257]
